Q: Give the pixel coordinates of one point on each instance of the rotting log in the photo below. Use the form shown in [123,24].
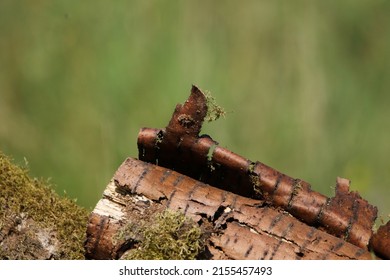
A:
[236,227]
[180,147]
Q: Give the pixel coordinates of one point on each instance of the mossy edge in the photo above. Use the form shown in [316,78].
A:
[23,197]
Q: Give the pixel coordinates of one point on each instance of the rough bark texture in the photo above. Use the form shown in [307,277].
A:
[236,227]
[247,209]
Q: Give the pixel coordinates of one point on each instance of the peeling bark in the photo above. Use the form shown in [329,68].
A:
[346,215]
[236,227]
[247,209]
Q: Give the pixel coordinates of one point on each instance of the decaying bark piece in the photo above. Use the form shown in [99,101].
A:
[237,227]
[179,147]
[381,241]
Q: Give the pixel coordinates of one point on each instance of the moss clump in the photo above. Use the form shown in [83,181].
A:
[31,204]
[169,235]
[214,111]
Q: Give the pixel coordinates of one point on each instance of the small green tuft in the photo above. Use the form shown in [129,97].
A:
[214,111]
[169,236]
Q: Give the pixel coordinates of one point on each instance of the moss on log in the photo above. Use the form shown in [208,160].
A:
[35,222]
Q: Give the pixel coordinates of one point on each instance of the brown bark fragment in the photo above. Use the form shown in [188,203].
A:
[381,241]
[101,244]
[188,118]
[348,215]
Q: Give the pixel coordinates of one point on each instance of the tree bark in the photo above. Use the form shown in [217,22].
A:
[247,209]
[235,227]
[179,147]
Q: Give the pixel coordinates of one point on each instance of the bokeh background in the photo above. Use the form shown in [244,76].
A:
[306,85]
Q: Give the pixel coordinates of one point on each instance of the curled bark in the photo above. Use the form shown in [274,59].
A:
[247,209]
[179,147]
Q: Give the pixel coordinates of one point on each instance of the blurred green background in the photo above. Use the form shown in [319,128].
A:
[305,83]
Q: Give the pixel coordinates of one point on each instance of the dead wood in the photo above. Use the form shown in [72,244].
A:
[235,227]
[345,215]
[249,209]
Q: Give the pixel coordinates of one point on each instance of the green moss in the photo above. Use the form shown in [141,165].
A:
[26,198]
[214,111]
[169,235]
